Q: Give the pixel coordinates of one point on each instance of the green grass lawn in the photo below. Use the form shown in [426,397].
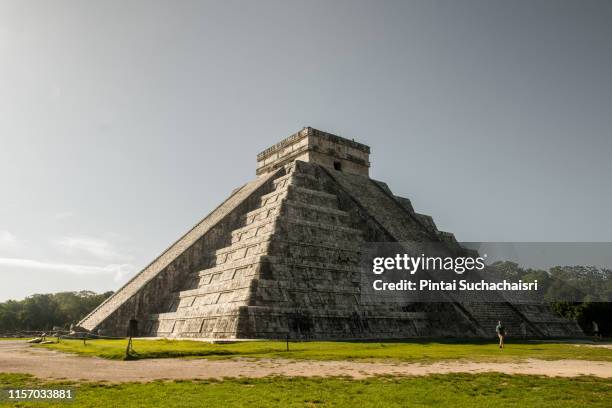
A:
[321,350]
[465,390]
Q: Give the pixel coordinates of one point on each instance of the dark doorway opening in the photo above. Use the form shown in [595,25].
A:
[338,166]
[133,328]
[300,324]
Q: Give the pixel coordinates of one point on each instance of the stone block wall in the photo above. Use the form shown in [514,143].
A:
[150,291]
[282,257]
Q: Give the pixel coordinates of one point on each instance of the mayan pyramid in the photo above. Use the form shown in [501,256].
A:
[281,257]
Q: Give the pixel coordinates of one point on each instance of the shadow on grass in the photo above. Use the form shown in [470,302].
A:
[462,341]
[134,355]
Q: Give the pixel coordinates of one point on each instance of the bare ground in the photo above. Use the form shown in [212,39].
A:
[19,357]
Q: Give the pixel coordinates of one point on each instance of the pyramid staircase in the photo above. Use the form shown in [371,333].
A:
[283,256]
[483,309]
[293,268]
[294,253]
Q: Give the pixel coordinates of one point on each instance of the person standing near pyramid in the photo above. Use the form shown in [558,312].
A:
[501,333]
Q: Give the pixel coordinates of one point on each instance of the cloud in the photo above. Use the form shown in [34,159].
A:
[8,240]
[63,215]
[119,271]
[96,247]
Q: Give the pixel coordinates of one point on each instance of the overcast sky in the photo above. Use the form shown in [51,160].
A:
[122,123]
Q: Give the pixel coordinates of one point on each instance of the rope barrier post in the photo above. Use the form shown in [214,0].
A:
[287,341]
[128,349]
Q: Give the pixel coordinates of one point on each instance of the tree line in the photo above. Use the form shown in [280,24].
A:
[45,311]
[580,293]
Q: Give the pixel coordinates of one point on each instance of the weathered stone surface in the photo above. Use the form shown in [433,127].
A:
[282,257]
[148,291]
[312,145]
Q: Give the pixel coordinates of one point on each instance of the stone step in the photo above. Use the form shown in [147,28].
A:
[241,263]
[548,322]
[280,267]
[190,328]
[255,229]
[282,262]
[279,181]
[300,194]
[309,212]
[344,253]
[334,243]
[274,320]
[488,314]
[298,233]
[539,313]
[299,210]
[315,232]
[312,197]
[271,201]
[298,179]
[218,287]
[310,272]
[212,310]
[301,167]
[273,197]
[251,247]
[278,261]
[215,312]
[291,229]
[229,278]
[307,195]
[305,297]
[375,314]
[261,213]
[218,326]
[279,241]
[298,213]
[317,292]
[205,296]
[307,181]
[319,285]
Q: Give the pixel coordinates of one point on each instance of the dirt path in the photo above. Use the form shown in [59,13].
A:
[18,357]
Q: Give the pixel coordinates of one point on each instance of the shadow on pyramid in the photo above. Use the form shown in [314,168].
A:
[282,257]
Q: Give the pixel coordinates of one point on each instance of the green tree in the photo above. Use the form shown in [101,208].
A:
[43,311]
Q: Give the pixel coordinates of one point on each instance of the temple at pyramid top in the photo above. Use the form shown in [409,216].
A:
[315,146]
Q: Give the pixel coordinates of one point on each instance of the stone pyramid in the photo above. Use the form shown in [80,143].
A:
[281,257]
